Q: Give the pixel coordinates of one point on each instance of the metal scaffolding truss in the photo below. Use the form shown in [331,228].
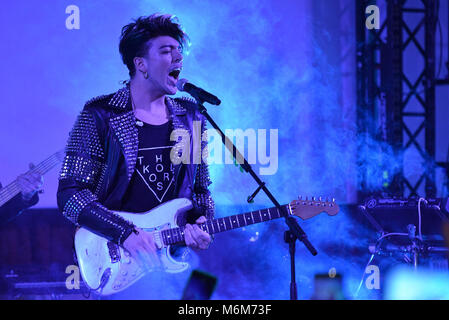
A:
[399,97]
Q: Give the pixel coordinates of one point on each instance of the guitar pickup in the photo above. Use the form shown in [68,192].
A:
[114,252]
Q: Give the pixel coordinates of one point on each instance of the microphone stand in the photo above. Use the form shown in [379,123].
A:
[294,232]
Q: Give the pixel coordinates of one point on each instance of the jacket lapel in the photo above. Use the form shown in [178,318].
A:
[124,127]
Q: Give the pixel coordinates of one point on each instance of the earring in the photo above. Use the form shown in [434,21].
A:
[145,75]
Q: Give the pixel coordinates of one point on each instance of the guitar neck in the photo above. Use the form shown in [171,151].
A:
[176,235]
[12,189]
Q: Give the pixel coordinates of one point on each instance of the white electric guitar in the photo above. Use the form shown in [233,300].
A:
[107,268]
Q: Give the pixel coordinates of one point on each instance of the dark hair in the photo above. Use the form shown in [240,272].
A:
[135,36]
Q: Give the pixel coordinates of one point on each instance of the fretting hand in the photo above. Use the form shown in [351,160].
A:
[196,238]
[30,183]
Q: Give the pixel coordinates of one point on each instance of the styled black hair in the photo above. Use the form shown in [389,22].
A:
[135,36]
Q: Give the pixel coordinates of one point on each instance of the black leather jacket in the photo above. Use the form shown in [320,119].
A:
[100,160]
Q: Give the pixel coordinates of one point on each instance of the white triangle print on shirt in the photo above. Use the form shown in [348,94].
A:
[156,170]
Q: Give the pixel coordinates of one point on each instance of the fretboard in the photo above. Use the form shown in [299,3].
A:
[176,235]
[12,189]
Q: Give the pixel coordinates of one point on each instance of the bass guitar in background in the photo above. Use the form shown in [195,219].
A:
[31,181]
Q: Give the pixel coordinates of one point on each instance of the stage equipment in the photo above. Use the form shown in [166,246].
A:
[413,226]
[197,93]
[25,283]
[393,108]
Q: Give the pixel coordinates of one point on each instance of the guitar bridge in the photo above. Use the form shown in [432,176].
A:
[114,252]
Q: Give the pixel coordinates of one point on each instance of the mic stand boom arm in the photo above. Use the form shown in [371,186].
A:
[295,231]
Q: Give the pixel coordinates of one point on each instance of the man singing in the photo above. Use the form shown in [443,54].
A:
[118,152]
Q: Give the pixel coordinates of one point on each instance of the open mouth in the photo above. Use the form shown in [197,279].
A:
[175,73]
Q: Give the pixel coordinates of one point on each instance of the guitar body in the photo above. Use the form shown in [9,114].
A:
[107,267]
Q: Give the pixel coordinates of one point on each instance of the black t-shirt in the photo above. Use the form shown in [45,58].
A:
[153,180]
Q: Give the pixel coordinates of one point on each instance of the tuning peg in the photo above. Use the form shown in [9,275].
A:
[323,204]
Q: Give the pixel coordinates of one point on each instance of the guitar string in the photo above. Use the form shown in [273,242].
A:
[12,189]
[177,232]
[45,168]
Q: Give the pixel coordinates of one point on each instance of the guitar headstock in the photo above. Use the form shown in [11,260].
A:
[306,209]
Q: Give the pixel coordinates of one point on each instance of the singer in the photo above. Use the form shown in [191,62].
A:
[118,152]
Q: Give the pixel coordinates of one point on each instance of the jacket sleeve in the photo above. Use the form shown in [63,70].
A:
[82,170]
[202,198]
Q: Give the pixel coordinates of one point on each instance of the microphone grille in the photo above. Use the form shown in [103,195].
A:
[180,84]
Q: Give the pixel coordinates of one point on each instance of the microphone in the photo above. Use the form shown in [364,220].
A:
[198,93]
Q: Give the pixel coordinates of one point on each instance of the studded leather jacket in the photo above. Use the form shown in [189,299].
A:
[100,160]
